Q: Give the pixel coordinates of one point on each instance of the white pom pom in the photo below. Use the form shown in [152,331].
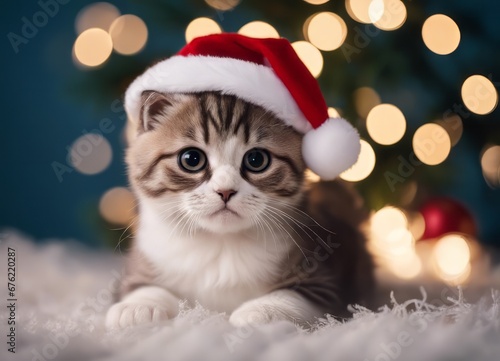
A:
[332,148]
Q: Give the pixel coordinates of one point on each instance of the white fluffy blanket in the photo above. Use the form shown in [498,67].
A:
[63,291]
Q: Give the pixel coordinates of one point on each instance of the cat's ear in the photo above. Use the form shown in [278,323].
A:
[155,108]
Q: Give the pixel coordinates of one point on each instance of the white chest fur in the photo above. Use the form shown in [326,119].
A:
[219,271]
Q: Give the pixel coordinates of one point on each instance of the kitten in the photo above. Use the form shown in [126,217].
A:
[226,219]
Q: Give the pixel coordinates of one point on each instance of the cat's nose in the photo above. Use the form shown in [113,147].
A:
[226,194]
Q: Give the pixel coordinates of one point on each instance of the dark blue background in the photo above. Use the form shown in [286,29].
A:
[43,112]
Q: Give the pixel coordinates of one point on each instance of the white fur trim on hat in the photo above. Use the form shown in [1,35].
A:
[257,84]
[332,148]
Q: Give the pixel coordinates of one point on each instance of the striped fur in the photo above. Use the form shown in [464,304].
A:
[207,120]
[278,248]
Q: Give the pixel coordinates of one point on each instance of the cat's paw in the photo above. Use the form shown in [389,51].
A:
[251,314]
[125,314]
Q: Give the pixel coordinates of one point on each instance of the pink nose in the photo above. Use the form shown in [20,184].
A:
[226,194]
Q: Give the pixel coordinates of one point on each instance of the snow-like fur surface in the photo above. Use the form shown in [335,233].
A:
[63,291]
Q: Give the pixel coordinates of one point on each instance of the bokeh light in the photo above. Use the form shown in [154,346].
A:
[393,15]
[441,34]
[201,27]
[316,2]
[98,15]
[326,31]
[452,257]
[453,126]
[386,124]
[417,225]
[310,56]
[365,99]
[93,47]
[259,29]
[399,241]
[363,166]
[479,94]
[406,266]
[333,113]
[311,176]
[431,144]
[91,153]
[490,164]
[387,220]
[360,10]
[223,5]
[117,206]
[129,34]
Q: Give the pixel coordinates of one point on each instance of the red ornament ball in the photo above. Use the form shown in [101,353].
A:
[444,215]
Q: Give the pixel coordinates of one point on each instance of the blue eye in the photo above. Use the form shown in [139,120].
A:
[192,160]
[256,160]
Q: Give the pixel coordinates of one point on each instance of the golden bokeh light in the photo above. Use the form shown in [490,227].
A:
[490,164]
[310,56]
[363,166]
[93,47]
[259,29]
[452,256]
[360,10]
[387,220]
[326,31]
[375,10]
[98,15]
[117,206]
[311,176]
[406,267]
[201,27]
[441,34]
[457,280]
[431,144]
[365,99]
[91,154]
[393,15]
[399,241]
[479,94]
[386,124]
[417,225]
[129,34]
[222,5]
[333,113]
[453,126]
[316,2]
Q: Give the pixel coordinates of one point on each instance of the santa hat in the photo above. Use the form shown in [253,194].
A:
[265,72]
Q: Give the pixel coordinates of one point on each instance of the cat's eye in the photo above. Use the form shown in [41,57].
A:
[256,160]
[192,160]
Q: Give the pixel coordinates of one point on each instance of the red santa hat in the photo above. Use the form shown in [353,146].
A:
[265,72]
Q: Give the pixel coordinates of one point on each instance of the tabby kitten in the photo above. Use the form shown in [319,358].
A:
[226,219]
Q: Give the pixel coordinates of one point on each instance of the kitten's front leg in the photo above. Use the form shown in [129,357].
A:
[143,305]
[278,305]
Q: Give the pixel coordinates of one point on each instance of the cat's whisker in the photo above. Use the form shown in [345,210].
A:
[299,224]
[273,234]
[135,219]
[281,226]
[178,217]
[269,209]
[180,220]
[260,227]
[295,209]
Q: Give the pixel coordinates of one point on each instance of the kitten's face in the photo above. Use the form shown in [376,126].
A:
[214,162]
